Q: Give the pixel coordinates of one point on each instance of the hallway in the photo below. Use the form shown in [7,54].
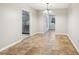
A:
[43,44]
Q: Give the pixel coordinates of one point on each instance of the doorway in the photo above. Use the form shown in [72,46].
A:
[51,22]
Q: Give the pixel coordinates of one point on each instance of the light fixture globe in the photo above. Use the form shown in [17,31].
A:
[49,12]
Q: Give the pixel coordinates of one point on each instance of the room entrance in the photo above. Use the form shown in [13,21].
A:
[49,23]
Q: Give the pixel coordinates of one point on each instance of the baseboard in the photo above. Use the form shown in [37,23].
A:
[10,45]
[73,43]
[60,33]
[35,33]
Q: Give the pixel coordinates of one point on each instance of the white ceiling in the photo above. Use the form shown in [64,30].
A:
[42,6]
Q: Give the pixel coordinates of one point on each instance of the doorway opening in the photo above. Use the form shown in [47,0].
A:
[52,22]
[49,23]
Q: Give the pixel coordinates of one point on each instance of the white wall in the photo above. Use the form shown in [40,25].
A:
[45,23]
[11,23]
[41,22]
[73,24]
[61,20]
[1,27]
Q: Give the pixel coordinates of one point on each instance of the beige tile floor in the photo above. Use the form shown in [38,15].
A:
[43,44]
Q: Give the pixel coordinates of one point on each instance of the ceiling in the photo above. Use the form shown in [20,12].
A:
[42,6]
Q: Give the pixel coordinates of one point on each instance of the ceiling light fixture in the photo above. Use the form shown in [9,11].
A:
[47,11]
